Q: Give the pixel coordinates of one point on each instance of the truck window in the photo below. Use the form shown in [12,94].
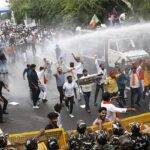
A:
[113,46]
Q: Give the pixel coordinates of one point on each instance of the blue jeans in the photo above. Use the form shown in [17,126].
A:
[87,99]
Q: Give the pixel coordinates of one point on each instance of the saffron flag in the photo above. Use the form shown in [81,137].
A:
[94,21]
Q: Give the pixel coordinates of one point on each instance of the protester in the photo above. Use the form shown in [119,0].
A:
[79,66]
[121,81]
[101,117]
[42,83]
[100,81]
[58,52]
[33,84]
[112,110]
[26,71]
[136,86]
[86,89]
[53,121]
[111,83]
[3,100]
[70,88]
[60,80]
[57,109]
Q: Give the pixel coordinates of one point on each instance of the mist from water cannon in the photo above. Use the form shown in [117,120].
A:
[87,44]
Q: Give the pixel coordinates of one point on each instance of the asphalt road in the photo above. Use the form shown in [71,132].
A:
[22,117]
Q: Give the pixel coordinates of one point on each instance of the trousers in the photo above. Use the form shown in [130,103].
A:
[69,103]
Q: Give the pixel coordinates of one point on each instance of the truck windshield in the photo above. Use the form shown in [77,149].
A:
[126,45]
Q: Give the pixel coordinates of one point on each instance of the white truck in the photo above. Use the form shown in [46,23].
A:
[124,49]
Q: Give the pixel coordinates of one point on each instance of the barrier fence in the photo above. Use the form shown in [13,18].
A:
[62,136]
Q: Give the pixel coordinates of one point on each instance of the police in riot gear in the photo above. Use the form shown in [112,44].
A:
[101,139]
[83,140]
[117,129]
[3,142]
[140,141]
[31,144]
[52,144]
[125,143]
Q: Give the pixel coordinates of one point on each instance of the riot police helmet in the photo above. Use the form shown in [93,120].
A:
[81,126]
[102,137]
[31,144]
[117,129]
[53,144]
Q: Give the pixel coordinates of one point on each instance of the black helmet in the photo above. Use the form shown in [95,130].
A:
[3,141]
[102,137]
[135,128]
[53,144]
[117,129]
[81,126]
[125,143]
[31,144]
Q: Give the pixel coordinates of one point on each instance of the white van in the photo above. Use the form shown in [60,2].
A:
[124,49]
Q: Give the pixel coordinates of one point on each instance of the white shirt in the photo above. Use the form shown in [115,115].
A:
[59,122]
[69,88]
[79,68]
[86,87]
[72,73]
[41,76]
[112,110]
[100,71]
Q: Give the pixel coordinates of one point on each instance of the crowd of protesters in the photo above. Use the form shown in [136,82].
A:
[74,83]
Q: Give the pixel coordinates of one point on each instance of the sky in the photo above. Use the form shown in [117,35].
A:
[3,3]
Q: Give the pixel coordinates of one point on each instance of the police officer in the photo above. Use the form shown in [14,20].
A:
[82,140]
[117,131]
[52,144]
[101,139]
[3,142]
[140,141]
[31,144]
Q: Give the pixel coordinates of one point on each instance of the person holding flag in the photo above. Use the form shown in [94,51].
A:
[94,21]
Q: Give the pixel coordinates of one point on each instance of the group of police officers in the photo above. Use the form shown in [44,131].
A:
[84,139]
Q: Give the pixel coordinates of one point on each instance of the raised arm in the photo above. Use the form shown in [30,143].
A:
[75,58]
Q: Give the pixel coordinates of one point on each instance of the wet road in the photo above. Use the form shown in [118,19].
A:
[22,117]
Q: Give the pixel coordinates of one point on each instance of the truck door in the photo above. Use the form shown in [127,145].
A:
[113,53]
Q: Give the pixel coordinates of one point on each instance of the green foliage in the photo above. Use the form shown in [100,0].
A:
[65,11]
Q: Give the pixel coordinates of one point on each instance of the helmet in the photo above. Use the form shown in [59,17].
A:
[117,129]
[102,137]
[53,144]
[3,141]
[31,144]
[135,128]
[81,126]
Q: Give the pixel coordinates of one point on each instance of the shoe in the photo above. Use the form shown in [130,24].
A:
[138,104]
[72,116]
[44,100]
[67,109]
[5,112]
[38,103]
[36,107]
